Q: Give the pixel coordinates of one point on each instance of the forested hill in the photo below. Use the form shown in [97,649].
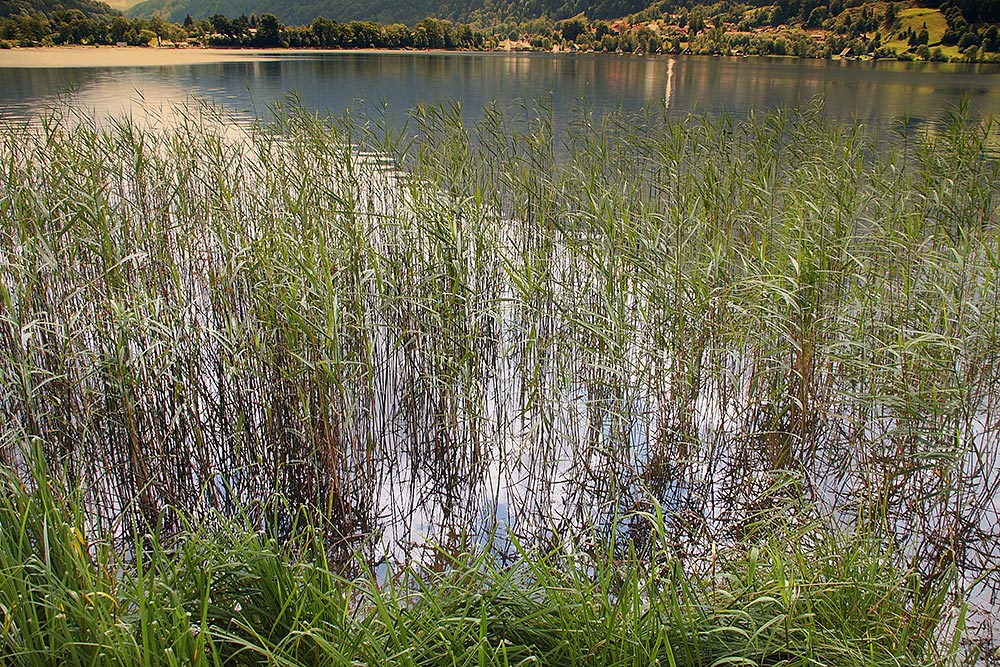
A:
[301,12]
[976,11]
[90,8]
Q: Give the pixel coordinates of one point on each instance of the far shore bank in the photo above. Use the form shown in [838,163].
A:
[140,56]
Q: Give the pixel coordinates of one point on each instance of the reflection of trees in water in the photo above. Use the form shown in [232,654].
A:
[877,93]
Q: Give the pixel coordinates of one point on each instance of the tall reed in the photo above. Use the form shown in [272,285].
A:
[520,329]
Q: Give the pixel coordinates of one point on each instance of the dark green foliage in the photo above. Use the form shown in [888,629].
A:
[572,29]
[33,22]
[269,33]
[73,27]
[90,8]
[976,11]
[390,11]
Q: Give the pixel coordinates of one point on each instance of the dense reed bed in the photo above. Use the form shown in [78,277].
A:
[688,382]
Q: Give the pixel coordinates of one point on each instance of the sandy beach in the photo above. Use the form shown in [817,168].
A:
[134,56]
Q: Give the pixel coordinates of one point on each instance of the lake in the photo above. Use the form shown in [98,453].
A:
[880,94]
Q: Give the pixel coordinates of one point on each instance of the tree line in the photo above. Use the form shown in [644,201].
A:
[267,31]
[63,27]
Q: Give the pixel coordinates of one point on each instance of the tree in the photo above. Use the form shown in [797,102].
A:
[221,25]
[695,24]
[241,25]
[269,32]
[785,10]
[432,32]
[817,16]
[367,34]
[397,36]
[160,27]
[343,34]
[464,37]
[322,30]
[890,14]
[118,29]
[572,29]
[991,39]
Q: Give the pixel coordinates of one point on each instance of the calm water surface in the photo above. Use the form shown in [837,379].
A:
[880,94]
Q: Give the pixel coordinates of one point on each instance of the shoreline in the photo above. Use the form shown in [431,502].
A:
[76,56]
[148,56]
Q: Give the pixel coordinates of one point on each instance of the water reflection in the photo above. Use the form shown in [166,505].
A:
[877,93]
[154,94]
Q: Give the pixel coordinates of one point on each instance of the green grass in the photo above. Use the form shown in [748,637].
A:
[916,18]
[240,369]
[223,594]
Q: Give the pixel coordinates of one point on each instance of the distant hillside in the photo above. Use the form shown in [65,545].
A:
[302,12]
[88,7]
